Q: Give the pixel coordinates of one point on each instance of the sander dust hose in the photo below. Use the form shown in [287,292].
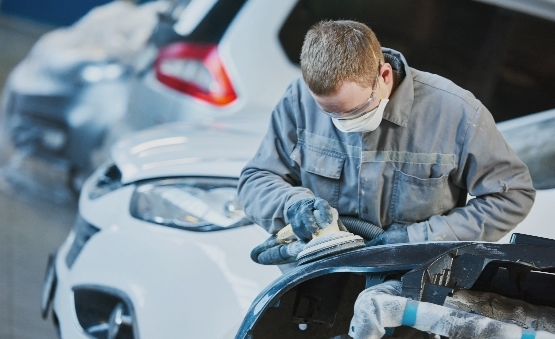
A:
[272,252]
[361,227]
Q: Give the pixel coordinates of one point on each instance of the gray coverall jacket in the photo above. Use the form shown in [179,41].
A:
[436,142]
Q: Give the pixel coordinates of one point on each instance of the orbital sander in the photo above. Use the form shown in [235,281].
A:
[332,238]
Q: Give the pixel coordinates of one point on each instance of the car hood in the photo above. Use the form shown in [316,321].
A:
[216,147]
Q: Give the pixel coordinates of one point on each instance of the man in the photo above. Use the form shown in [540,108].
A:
[398,147]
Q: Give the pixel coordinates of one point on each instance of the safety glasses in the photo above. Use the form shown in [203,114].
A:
[357,111]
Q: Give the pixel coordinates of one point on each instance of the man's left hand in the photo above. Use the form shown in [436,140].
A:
[396,233]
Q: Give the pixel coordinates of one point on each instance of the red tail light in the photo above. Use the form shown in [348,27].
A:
[195,70]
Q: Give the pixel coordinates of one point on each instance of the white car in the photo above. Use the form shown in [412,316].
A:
[210,59]
[160,248]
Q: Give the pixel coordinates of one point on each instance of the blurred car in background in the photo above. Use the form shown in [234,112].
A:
[59,101]
[208,59]
[160,248]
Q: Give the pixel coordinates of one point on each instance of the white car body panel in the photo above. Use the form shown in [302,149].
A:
[164,151]
[261,75]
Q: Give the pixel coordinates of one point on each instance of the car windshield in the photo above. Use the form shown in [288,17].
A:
[175,10]
[195,20]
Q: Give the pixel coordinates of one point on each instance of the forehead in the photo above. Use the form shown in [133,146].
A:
[348,96]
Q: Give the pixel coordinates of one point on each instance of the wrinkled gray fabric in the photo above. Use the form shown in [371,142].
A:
[435,141]
[304,221]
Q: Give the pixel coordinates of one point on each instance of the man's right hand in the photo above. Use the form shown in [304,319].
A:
[304,222]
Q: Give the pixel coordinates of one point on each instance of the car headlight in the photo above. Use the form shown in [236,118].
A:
[195,204]
[53,139]
[103,71]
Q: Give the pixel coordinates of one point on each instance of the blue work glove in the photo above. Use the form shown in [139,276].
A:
[280,254]
[396,233]
[304,222]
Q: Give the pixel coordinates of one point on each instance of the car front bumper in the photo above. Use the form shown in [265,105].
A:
[179,283]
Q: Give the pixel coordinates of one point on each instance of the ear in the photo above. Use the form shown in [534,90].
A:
[386,72]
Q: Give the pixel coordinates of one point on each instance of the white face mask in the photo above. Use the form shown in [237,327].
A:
[367,122]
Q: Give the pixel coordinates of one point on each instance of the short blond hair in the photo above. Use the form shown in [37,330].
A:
[338,51]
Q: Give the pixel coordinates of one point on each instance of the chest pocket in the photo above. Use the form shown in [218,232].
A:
[415,199]
[320,170]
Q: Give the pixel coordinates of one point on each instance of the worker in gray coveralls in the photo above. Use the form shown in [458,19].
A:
[365,133]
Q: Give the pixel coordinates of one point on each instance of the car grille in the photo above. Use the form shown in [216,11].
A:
[104,313]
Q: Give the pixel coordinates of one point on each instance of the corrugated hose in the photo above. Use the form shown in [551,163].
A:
[270,252]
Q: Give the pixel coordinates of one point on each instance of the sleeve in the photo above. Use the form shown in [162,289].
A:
[495,177]
[269,183]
